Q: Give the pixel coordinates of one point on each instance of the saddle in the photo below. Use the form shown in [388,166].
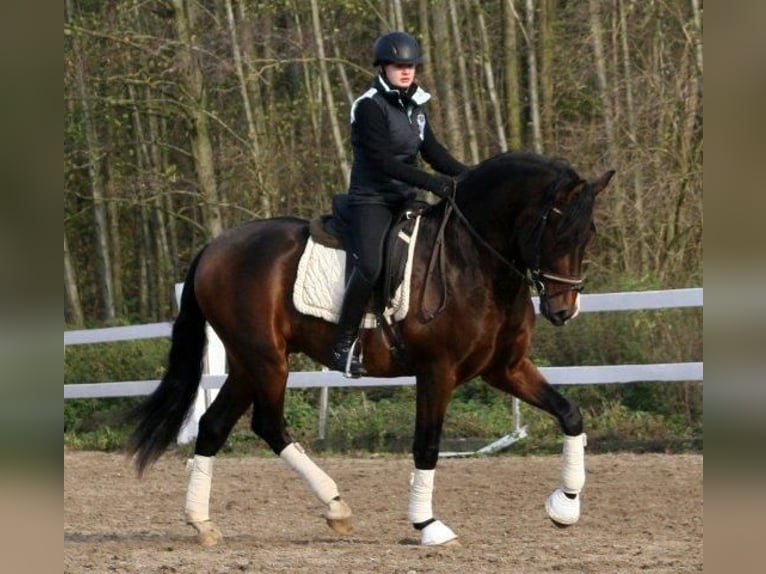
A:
[333,231]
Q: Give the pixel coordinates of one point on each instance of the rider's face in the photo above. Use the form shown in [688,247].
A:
[400,75]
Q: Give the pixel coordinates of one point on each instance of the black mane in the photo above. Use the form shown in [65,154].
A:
[528,180]
[514,167]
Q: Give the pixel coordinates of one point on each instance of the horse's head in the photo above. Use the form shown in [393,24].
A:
[563,231]
[548,210]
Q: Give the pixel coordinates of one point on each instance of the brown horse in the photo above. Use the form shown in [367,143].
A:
[516,221]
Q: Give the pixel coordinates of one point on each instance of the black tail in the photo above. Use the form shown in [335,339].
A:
[160,417]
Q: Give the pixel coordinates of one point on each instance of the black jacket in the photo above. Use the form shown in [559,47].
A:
[389,129]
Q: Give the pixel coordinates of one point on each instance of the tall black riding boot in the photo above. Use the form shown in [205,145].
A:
[355,300]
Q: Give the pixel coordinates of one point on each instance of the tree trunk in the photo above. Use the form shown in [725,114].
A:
[350,93]
[597,36]
[340,146]
[73,308]
[547,74]
[398,15]
[427,70]
[633,145]
[254,148]
[621,220]
[697,19]
[310,87]
[512,77]
[470,124]
[534,98]
[445,85]
[195,107]
[113,225]
[486,58]
[96,185]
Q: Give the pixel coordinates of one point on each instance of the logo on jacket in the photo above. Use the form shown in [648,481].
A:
[421,124]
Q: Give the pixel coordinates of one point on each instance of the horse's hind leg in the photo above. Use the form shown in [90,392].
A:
[214,427]
[527,383]
[268,422]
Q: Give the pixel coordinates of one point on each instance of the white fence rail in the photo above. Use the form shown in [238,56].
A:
[215,360]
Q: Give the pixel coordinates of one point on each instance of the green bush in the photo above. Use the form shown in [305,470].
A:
[100,423]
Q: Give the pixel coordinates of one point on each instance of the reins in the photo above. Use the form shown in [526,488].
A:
[476,235]
[533,279]
[437,255]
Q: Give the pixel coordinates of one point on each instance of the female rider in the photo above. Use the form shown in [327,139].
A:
[389,129]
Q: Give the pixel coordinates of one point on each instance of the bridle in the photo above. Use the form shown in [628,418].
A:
[573,283]
[532,275]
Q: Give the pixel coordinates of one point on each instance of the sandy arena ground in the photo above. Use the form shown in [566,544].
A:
[641,513]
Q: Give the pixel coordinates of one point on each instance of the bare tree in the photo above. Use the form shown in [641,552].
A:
[632,133]
[195,107]
[547,73]
[176,117]
[534,98]
[512,76]
[96,181]
[470,124]
[489,74]
[445,83]
[252,133]
[599,60]
[73,308]
[340,146]
[426,46]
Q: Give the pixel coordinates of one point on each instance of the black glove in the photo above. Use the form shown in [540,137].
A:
[443,187]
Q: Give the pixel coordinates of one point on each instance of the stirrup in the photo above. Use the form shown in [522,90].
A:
[354,368]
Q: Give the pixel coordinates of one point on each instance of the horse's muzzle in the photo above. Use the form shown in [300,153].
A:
[560,308]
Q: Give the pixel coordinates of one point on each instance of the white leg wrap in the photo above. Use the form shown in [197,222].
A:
[573,470]
[421,491]
[323,487]
[198,494]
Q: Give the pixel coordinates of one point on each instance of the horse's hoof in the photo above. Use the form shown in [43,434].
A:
[561,509]
[437,534]
[338,517]
[344,527]
[208,534]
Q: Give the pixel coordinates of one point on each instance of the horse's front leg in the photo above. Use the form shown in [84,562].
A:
[526,382]
[268,422]
[337,512]
[432,401]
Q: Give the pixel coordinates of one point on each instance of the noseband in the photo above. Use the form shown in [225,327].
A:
[573,284]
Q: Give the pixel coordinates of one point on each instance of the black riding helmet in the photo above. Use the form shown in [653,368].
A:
[396,48]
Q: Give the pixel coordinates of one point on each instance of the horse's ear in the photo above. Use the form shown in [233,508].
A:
[573,193]
[600,184]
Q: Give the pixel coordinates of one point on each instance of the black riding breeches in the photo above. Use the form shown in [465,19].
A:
[369,226]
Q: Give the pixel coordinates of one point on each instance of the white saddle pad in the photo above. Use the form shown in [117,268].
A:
[319,286]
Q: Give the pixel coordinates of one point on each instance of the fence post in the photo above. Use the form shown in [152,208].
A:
[324,393]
